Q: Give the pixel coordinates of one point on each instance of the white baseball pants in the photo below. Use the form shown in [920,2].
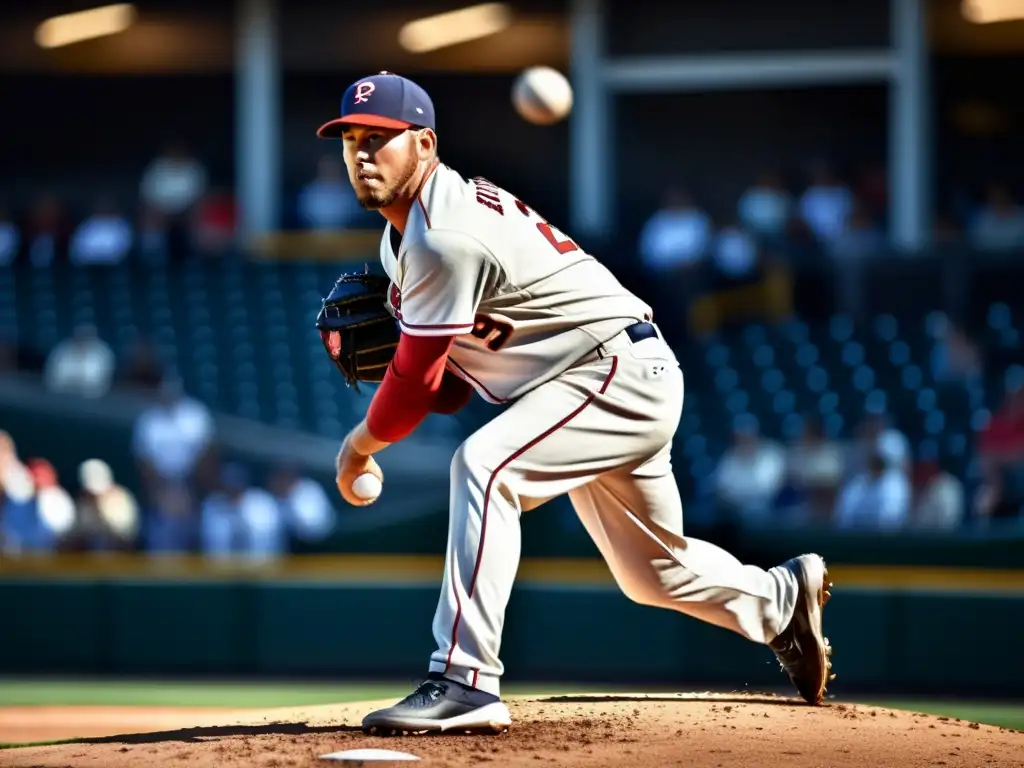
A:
[602,433]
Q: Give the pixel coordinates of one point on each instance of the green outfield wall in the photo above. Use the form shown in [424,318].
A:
[900,629]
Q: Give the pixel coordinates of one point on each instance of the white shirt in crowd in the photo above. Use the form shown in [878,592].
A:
[750,481]
[308,509]
[826,210]
[735,252]
[250,525]
[879,503]
[673,238]
[765,211]
[101,240]
[941,505]
[172,186]
[84,368]
[172,438]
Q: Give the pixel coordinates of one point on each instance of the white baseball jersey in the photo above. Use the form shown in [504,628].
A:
[525,301]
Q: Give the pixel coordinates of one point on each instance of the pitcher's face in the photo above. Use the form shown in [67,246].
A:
[381,162]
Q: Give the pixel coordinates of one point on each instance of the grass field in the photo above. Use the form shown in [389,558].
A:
[27,692]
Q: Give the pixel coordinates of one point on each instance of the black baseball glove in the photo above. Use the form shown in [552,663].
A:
[358,332]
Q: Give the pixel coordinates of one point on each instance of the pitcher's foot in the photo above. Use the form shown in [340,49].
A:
[801,648]
[441,705]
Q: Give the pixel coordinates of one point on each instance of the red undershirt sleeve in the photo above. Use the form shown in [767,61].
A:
[411,387]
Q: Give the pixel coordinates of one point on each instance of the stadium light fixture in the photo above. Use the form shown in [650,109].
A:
[992,11]
[72,28]
[453,27]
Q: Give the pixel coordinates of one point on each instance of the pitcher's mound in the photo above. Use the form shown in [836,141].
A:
[632,730]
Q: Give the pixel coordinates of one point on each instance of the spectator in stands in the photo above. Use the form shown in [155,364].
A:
[999,224]
[677,237]
[46,236]
[104,238]
[21,529]
[735,255]
[878,498]
[54,505]
[877,427]
[814,468]
[673,248]
[327,202]
[216,222]
[171,186]
[826,205]
[10,238]
[859,238]
[142,369]
[107,513]
[1002,440]
[939,501]
[750,474]
[173,443]
[241,521]
[766,208]
[305,506]
[1001,454]
[955,359]
[82,365]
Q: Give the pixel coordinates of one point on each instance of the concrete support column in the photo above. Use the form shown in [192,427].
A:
[258,118]
[591,159]
[910,139]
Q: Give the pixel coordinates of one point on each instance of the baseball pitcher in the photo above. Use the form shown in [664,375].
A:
[490,297]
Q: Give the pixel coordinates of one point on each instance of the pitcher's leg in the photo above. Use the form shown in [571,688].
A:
[636,523]
[483,535]
[539,448]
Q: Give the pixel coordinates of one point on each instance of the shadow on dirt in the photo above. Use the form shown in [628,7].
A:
[721,698]
[201,733]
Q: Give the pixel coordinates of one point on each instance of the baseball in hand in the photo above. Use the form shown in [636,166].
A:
[367,486]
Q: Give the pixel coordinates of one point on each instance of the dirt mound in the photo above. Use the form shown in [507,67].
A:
[692,730]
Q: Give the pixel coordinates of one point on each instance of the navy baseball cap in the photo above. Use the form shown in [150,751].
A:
[384,100]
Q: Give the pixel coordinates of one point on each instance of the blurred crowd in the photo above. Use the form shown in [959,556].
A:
[819,217]
[191,503]
[192,499]
[874,482]
[177,214]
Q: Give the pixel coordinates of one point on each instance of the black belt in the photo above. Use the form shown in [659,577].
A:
[640,331]
[636,333]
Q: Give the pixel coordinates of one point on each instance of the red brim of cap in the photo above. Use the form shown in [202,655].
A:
[333,129]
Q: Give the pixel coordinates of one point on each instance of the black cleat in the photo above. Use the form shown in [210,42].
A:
[801,648]
[440,705]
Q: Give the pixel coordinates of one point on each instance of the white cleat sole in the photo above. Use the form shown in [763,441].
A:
[490,718]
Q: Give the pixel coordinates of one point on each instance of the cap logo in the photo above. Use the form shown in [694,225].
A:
[363,91]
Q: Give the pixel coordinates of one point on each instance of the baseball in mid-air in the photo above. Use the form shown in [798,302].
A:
[542,95]
[367,486]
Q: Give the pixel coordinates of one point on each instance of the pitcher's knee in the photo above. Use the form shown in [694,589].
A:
[471,459]
[644,591]
[645,585]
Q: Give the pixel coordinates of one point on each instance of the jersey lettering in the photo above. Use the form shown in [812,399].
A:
[493,332]
[488,194]
[559,241]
